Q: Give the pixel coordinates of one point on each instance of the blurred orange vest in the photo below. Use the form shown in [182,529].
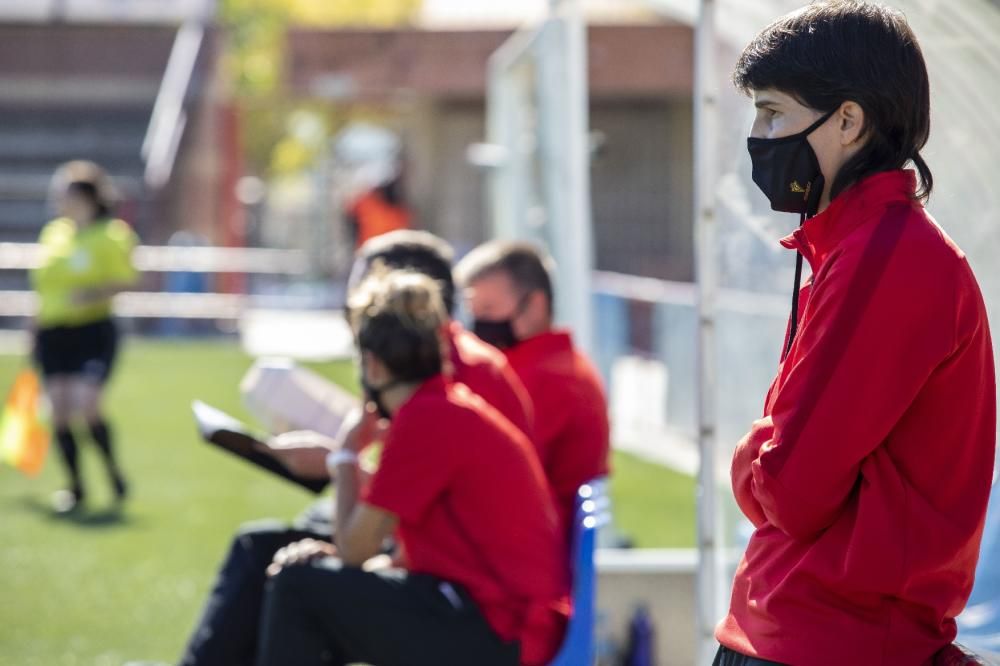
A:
[376,216]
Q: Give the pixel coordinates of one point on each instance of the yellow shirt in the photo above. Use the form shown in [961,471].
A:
[99,255]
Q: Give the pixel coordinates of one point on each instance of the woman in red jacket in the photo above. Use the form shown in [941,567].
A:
[867,477]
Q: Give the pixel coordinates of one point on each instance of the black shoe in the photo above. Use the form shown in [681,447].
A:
[67,500]
[120,486]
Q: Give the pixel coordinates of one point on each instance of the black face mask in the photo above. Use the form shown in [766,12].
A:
[499,333]
[787,171]
[373,394]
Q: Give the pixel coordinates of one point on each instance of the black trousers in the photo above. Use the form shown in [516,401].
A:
[227,631]
[325,613]
[727,657]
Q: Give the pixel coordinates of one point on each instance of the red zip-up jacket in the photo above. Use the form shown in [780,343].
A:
[868,476]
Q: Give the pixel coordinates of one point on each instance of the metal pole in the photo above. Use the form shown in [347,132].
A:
[581,250]
[705,156]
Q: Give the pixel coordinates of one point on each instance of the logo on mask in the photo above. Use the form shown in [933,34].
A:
[798,189]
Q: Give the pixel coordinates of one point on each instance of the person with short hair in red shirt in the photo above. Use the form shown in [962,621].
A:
[867,477]
[485,579]
[508,289]
[476,364]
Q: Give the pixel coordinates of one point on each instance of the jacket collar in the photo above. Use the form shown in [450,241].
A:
[432,386]
[858,204]
[540,346]
[436,385]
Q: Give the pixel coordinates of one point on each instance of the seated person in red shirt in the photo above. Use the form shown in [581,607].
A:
[485,577]
[508,289]
[475,364]
[226,632]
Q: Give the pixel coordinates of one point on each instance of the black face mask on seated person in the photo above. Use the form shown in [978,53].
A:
[373,394]
[500,332]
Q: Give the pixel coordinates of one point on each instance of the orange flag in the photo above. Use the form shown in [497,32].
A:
[24,440]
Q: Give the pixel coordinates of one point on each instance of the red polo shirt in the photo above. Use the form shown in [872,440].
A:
[480,516]
[571,414]
[868,476]
[485,370]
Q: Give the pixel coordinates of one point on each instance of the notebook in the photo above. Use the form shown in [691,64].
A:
[224,431]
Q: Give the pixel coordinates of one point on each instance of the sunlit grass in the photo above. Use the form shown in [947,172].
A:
[103,589]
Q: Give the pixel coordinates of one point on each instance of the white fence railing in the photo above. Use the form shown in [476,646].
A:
[144,305]
[168,258]
[652,290]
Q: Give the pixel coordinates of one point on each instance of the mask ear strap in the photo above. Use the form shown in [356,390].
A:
[822,119]
[812,205]
[815,192]
[388,385]
[794,324]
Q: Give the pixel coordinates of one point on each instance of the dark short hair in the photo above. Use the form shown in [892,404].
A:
[88,180]
[418,251]
[849,50]
[529,267]
[398,316]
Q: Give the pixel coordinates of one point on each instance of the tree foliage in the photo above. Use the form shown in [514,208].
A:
[256,31]
[254,62]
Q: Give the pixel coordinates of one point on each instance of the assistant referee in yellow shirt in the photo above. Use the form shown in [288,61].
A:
[85,260]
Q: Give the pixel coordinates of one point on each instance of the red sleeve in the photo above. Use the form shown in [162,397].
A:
[741,472]
[417,465]
[877,325]
[748,448]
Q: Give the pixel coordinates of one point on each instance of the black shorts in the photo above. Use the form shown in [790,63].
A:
[86,351]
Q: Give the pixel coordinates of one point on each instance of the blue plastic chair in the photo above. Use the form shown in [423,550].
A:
[979,625]
[960,655]
[592,504]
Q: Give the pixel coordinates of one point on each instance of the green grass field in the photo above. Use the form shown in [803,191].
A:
[105,588]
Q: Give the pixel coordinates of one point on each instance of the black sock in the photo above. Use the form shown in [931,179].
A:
[101,433]
[67,444]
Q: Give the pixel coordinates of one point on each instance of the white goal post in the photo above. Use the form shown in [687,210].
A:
[537,128]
